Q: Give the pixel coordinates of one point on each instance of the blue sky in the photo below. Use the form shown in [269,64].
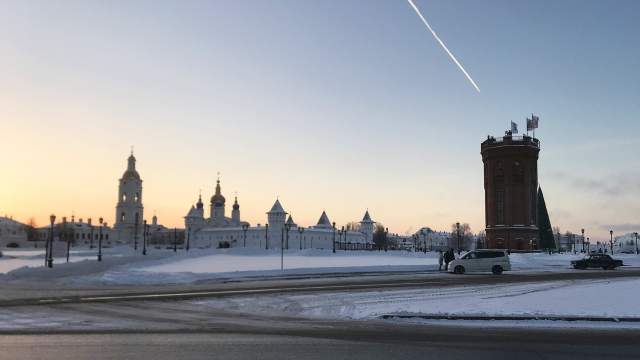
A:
[336,105]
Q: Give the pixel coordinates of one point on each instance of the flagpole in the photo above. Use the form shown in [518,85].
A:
[534,128]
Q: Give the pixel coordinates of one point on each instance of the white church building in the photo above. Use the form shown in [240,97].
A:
[219,231]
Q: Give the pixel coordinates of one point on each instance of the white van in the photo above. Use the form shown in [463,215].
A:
[495,261]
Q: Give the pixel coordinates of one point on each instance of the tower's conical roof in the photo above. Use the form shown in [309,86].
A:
[277,208]
[290,221]
[324,220]
[367,217]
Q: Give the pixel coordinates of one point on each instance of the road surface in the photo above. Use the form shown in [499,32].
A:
[162,323]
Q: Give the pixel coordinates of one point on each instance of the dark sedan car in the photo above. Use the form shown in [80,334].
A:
[597,261]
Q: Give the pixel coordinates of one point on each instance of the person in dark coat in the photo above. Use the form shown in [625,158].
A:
[440,260]
[448,257]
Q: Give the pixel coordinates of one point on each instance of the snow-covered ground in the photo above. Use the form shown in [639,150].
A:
[124,266]
[15,259]
[603,298]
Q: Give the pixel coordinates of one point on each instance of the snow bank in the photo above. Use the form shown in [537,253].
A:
[559,298]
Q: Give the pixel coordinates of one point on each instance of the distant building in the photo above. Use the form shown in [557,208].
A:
[627,243]
[12,233]
[220,231]
[511,186]
[80,233]
[434,240]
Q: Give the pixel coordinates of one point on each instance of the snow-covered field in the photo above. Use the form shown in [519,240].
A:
[603,298]
[14,259]
[124,266]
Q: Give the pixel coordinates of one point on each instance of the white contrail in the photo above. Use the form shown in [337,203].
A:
[442,44]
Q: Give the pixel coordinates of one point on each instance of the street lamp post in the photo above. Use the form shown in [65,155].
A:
[244,231]
[344,244]
[386,239]
[135,233]
[582,230]
[611,241]
[66,236]
[300,230]
[91,234]
[49,251]
[144,237]
[588,245]
[175,239]
[100,240]
[458,235]
[188,244]
[334,237]
[266,236]
[287,227]
[636,234]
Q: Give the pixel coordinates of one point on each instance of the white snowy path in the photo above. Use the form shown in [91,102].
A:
[610,298]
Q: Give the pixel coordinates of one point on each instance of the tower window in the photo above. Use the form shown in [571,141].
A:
[518,173]
[122,217]
[137,197]
[500,207]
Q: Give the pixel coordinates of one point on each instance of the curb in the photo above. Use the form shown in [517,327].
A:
[512,317]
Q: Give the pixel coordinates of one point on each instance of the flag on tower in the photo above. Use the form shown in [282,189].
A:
[532,123]
[514,128]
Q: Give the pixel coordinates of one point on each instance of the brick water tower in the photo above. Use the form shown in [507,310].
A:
[510,191]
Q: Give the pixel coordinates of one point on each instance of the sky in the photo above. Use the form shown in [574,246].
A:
[327,105]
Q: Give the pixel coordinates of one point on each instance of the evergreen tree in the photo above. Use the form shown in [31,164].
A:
[544,224]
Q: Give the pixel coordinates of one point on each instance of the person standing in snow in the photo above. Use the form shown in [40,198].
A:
[448,257]
[440,260]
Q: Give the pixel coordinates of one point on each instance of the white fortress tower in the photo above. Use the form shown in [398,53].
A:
[276,218]
[129,209]
[366,226]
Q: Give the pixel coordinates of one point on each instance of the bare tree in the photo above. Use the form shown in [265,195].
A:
[30,229]
[380,236]
[466,236]
[352,226]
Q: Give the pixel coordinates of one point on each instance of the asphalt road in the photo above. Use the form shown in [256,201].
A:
[55,293]
[156,322]
[459,344]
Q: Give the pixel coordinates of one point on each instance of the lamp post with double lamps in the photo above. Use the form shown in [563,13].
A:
[611,241]
[386,239]
[144,237]
[100,240]
[287,227]
[636,234]
[334,237]
[344,244]
[244,234]
[91,234]
[300,230]
[66,236]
